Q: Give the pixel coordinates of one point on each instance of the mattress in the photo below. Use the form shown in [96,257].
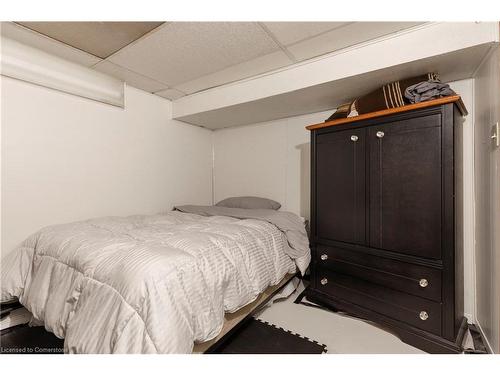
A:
[146,284]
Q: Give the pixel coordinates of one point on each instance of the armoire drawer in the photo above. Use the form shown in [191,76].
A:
[418,312]
[406,277]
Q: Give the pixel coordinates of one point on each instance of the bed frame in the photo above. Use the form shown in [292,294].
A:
[233,321]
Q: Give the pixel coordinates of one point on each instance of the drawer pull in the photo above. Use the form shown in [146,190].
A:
[324,281]
[324,257]
[380,134]
[424,315]
[423,283]
[354,138]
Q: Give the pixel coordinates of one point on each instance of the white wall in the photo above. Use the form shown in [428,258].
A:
[487,188]
[272,160]
[65,158]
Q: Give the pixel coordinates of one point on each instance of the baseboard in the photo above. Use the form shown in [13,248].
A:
[485,339]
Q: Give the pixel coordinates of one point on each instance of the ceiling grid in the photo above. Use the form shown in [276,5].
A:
[174,59]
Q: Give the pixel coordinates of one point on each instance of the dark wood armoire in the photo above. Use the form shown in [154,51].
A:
[386,220]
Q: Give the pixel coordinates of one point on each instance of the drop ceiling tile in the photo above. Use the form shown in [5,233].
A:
[182,51]
[132,78]
[98,38]
[236,72]
[171,94]
[290,32]
[46,44]
[345,36]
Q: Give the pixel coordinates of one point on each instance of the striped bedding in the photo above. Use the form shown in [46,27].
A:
[144,284]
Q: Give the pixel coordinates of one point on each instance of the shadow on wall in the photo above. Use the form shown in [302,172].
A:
[305,179]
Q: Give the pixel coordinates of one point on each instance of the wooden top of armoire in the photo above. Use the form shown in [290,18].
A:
[447,99]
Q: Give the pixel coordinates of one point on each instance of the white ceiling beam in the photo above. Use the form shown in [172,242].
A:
[421,42]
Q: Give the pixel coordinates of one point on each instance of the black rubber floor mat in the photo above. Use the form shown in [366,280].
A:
[257,337]
[29,340]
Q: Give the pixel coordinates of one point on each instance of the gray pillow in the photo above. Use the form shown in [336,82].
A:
[249,202]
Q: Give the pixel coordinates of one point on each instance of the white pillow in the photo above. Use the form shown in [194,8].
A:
[249,202]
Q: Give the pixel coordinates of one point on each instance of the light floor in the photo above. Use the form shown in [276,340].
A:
[341,334]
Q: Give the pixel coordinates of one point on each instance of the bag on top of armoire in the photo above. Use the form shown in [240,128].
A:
[391,95]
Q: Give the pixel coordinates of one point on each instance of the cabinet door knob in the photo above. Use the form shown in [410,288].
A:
[324,257]
[423,283]
[423,315]
[324,281]
[380,134]
[354,138]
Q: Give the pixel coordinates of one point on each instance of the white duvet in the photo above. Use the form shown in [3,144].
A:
[144,284]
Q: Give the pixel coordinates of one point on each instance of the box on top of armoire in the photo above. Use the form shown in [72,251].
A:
[386,220]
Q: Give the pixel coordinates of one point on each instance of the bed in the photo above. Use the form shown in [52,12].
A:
[170,283]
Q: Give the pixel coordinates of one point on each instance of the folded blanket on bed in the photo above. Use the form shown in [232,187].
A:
[148,284]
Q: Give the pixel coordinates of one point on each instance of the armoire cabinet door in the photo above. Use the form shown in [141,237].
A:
[405,186]
[340,186]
